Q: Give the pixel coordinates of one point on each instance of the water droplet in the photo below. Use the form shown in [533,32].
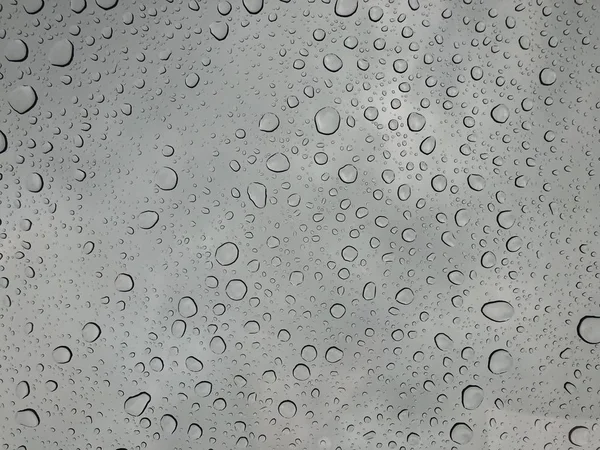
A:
[332,62]
[588,329]
[476,182]
[500,361]
[345,8]
[236,289]
[500,113]
[16,51]
[327,120]
[278,163]
[547,76]
[253,6]
[416,122]
[187,307]
[405,296]
[90,332]
[333,355]
[61,53]
[166,178]
[27,418]
[124,282]
[62,354]
[461,433]
[498,311]
[217,345]
[427,145]
[472,397]
[193,364]
[22,390]
[301,372]
[22,99]
[219,30]
[348,173]
[147,219]
[257,193]
[195,431]
[488,260]
[227,253]
[136,404]
[203,388]
[34,182]
[579,436]
[443,342]
[506,219]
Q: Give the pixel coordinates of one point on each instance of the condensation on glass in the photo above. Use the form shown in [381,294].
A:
[299,224]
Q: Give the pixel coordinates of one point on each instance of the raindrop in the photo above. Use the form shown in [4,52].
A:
[227,253]
[579,436]
[257,193]
[547,76]
[124,282]
[461,433]
[427,145]
[500,113]
[405,296]
[488,260]
[62,354]
[61,53]
[500,361]
[269,122]
[168,424]
[187,307]
[136,404]
[203,388]
[472,397]
[217,345]
[34,182]
[236,289]
[416,122]
[166,178]
[327,120]
[345,8]
[147,219]
[348,173]
[588,329]
[332,62]
[333,355]
[287,409]
[476,182]
[278,163]
[90,332]
[27,418]
[498,311]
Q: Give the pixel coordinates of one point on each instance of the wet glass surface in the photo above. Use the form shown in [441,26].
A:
[300,224]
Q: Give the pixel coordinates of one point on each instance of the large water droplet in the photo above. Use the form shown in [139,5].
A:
[136,404]
[588,329]
[461,433]
[345,8]
[278,163]
[62,354]
[61,53]
[227,253]
[500,361]
[90,332]
[124,282]
[257,193]
[327,120]
[27,418]
[498,311]
[472,397]
[22,99]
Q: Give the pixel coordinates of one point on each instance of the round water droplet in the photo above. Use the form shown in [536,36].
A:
[588,329]
[22,99]
[461,433]
[443,341]
[332,62]
[227,253]
[405,296]
[472,397]
[500,361]
[400,65]
[62,354]
[61,53]
[327,120]
[253,6]
[547,76]
[345,8]
[278,163]
[287,409]
[416,122]
[369,291]
[488,260]
[348,173]
[476,182]
[90,332]
[217,345]
[203,388]
[337,310]
[498,311]
[301,372]
[195,431]
[236,289]
[428,145]
[27,418]
[136,404]
[269,122]
[456,277]
[333,355]
[192,80]
[34,182]
[32,6]
[579,436]
[124,282]
[168,424]
[439,183]
[371,113]
[404,192]
[166,178]
[193,364]
[16,51]
[107,4]
[219,30]
[506,219]
[500,113]
[187,307]
[147,219]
